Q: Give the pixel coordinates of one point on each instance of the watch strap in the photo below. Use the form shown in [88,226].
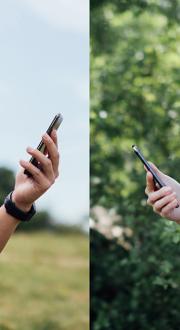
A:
[14,211]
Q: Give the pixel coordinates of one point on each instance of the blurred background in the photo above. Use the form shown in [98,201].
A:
[44,70]
[135,90]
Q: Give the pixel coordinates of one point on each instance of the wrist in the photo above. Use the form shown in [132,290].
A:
[25,207]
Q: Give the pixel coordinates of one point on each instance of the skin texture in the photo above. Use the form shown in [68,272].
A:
[28,189]
[164,200]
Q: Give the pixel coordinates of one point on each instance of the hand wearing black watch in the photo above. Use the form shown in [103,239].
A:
[15,212]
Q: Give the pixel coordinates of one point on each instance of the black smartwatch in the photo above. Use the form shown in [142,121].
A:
[15,212]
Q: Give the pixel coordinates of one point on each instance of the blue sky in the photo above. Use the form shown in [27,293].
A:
[44,68]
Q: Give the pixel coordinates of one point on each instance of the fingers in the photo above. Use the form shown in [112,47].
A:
[168,208]
[42,182]
[54,137]
[150,185]
[52,150]
[49,165]
[45,163]
[163,201]
[33,170]
[160,204]
[156,195]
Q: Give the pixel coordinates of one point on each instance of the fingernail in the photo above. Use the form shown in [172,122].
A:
[46,136]
[54,132]
[29,149]
[168,190]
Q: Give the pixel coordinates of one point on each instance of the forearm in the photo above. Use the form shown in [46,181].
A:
[8,225]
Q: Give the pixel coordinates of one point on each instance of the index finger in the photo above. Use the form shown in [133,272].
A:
[53,153]
[54,137]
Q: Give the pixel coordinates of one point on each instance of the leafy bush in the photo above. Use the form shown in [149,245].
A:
[134,99]
[137,288]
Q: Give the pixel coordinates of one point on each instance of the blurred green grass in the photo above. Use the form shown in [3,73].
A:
[44,282]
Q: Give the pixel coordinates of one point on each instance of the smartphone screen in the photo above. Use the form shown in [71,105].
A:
[56,122]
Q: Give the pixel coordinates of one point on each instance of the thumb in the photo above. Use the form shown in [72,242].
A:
[154,167]
[150,186]
[149,177]
[156,170]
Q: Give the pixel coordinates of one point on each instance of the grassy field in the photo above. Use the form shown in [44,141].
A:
[44,282]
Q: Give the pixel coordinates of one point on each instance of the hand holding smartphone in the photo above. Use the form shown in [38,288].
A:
[56,122]
[157,180]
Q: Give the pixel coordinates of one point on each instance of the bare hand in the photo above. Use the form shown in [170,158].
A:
[164,200]
[28,189]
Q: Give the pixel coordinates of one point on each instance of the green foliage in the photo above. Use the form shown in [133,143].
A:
[137,288]
[135,80]
[41,220]
[7,180]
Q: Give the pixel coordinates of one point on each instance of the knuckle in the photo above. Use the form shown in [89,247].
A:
[35,152]
[28,166]
[168,189]
[48,162]
[49,141]
[151,199]
[49,183]
[37,171]
[52,180]
[45,138]
[46,185]
[155,209]
[148,202]
[163,214]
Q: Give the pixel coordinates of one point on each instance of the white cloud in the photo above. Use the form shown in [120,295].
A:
[65,14]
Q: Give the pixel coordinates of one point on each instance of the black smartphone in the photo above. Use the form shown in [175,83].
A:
[157,180]
[41,147]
